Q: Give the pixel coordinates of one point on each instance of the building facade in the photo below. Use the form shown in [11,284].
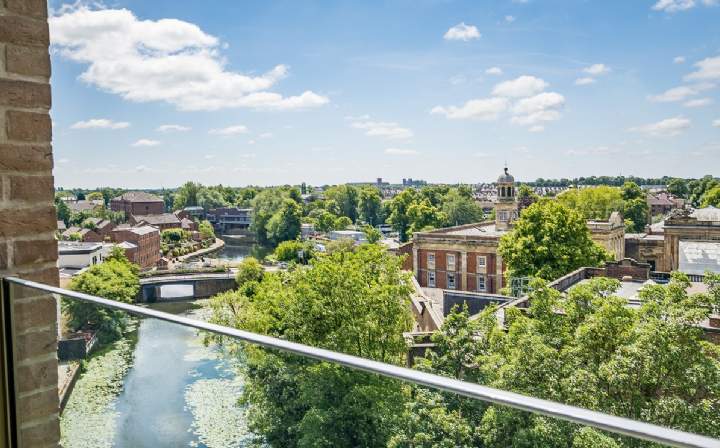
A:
[147,240]
[137,203]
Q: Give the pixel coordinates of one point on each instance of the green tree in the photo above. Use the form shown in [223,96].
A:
[372,234]
[95,195]
[370,205]
[325,221]
[636,212]
[295,402]
[711,198]
[62,210]
[285,223]
[346,198]
[423,216]
[208,198]
[249,270]
[698,187]
[342,223]
[398,212]
[596,203]
[549,240]
[206,230]
[678,187]
[291,250]
[115,279]
[461,208]
[631,190]
[265,204]
[186,195]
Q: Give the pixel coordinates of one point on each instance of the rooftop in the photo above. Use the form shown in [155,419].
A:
[77,247]
[164,218]
[138,196]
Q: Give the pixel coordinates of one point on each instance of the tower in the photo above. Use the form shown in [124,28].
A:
[506,208]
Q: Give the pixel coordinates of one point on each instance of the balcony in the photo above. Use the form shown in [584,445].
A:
[172,380]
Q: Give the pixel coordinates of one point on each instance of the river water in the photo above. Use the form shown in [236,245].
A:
[158,387]
[237,248]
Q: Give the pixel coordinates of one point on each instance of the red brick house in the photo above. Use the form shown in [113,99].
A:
[162,221]
[147,240]
[138,203]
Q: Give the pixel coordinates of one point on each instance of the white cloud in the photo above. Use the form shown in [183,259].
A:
[62,161]
[536,128]
[664,128]
[463,32]
[597,69]
[166,60]
[539,108]
[146,142]
[708,69]
[679,93]
[383,129]
[266,135]
[679,60]
[584,81]
[172,128]
[497,71]
[594,151]
[716,123]
[479,109]
[230,130]
[520,87]
[509,19]
[673,5]
[700,102]
[401,152]
[100,123]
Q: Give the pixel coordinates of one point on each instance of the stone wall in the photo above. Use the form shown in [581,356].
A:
[27,216]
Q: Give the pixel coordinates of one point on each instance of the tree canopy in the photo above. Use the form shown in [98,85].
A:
[547,241]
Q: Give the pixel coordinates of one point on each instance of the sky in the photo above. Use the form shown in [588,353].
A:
[153,94]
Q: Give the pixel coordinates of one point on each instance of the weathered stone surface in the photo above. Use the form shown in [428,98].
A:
[35,251]
[28,61]
[28,126]
[14,93]
[27,158]
[31,188]
[24,31]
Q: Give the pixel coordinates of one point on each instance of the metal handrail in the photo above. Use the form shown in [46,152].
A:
[607,422]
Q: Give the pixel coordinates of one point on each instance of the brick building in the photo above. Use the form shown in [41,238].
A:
[162,221]
[137,203]
[147,240]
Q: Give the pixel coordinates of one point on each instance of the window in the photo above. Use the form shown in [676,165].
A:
[451,281]
[431,279]
[481,263]
[503,216]
[451,262]
[481,287]
[431,261]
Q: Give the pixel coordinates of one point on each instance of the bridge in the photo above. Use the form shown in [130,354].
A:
[165,288]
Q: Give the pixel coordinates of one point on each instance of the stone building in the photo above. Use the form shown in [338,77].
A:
[610,234]
[688,241]
[137,203]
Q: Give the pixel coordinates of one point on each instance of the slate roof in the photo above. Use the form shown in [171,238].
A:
[138,196]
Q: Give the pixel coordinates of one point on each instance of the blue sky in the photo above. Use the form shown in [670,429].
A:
[281,92]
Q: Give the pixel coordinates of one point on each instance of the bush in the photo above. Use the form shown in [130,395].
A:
[288,251]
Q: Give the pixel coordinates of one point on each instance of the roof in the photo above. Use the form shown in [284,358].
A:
[697,257]
[479,229]
[164,218]
[127,245]
[706,214]
[79,206]
[142,230]
[660,199]
[506,177]
[77,247]
[138,196]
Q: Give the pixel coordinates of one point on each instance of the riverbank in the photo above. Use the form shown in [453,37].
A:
[216,246]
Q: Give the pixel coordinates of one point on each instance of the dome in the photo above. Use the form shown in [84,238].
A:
[506,178]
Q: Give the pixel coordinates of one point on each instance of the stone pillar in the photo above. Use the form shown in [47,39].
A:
[415,262]
[498,273]
[463,271]
[27,216]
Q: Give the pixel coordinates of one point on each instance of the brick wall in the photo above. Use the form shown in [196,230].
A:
[27,217]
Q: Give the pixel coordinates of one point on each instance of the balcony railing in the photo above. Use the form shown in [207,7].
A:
[602,421]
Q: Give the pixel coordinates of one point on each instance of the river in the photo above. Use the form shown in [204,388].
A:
[158,387]
[237,248]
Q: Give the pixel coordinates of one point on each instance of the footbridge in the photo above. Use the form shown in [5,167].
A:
[168,287]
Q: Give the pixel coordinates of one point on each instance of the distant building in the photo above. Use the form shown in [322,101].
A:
[138,203]
[355,235]
[188,224]
[162,221]
[610,234]
[660,204]
[84,206]
[191,212]
[77,255]
[225,219]
[147,240]
[103,227]
[83,234]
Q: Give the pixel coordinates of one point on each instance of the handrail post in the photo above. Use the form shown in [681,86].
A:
[8,414]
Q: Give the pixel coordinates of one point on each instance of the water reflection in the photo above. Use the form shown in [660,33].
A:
[175,392]
[237,248]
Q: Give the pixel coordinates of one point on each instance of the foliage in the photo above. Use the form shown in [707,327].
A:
[206,230]
[370,206]
[115,279]
[650,364]
[372,234]
[459,208]
[295,402]
[346,198]
[265,205]
[95,195]
[62,210]
[289,250]
[174,235]
[285,223]
[711,198]
[549,240]
[75,236]
[342,223]
[678,187]
[636,213]
[595,203]
[186,196]
[249,270]
[425,216]
[698,187]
